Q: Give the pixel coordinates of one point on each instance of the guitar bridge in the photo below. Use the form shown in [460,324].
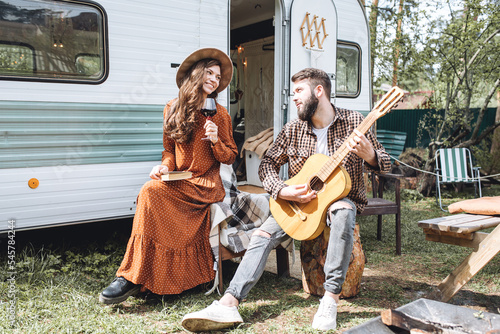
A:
[298,211]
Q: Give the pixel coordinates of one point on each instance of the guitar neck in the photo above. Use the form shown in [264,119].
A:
[382,107]
[343,150]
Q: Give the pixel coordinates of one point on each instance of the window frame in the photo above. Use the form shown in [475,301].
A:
[105,54]
[234,80]
[358,90]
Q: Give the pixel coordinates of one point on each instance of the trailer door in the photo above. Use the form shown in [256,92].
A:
[313,41]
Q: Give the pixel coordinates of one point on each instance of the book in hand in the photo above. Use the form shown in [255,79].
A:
[176,175]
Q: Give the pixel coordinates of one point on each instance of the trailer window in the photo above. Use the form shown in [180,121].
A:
[348,70]
[48,40]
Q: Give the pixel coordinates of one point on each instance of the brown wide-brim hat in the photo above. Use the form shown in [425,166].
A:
[226,67]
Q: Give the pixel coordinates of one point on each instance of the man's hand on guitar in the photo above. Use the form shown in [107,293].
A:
[297,193]
[363,148]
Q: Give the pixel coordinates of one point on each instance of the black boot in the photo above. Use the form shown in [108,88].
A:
[118,291]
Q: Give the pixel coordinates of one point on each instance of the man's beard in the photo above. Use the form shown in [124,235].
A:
[308,108]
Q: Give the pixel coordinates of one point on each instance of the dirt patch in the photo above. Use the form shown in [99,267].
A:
[383,286]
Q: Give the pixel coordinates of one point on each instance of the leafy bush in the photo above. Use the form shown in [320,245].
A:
[411,195]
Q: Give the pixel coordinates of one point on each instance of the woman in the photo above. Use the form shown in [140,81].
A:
[169,251]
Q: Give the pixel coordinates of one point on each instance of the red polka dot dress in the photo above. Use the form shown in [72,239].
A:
[169,250]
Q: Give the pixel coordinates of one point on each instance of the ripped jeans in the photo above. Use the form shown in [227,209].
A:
[341,222]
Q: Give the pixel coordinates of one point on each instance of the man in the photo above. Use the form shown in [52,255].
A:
[321,128]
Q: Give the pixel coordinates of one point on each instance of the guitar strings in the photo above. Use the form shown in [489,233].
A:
[343,151]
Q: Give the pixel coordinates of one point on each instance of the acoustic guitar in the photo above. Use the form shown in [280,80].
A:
[324,174]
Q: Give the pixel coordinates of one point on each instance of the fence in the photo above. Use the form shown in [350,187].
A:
[408,120]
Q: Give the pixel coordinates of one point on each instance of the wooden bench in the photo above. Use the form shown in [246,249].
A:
[282,261]
[462,230]
[392,141]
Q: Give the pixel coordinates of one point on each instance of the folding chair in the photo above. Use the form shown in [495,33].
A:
[454,165]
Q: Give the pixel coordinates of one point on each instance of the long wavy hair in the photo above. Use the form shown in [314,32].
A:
[181,121]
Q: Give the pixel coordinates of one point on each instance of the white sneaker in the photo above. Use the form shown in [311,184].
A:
[326,317]
[213,317]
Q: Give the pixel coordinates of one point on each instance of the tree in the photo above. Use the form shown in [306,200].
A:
[463,62]
[394,38]
[495,142]
[397,43]
[373,34]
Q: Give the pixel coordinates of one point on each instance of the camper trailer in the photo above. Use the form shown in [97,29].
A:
[83,85]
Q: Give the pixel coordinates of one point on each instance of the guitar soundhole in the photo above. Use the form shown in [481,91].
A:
[316,183]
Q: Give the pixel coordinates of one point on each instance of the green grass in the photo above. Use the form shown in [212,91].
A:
[61,271]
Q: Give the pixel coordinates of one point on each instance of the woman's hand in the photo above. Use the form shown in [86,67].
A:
[297,193]
[157,171]
[211,131]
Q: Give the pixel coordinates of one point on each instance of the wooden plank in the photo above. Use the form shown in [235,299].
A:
[462,223]
[487,249]
[479,225]
[432,221]
[471,225]
[431,232]
[251,189]
[435,222]
[477,238]
[451,225]
[458,217]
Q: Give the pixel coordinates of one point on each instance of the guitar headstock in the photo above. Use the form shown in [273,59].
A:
[388,101]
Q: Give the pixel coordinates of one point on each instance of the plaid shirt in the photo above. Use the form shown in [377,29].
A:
[296,142]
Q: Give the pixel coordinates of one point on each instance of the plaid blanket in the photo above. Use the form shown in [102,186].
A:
[238,215]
